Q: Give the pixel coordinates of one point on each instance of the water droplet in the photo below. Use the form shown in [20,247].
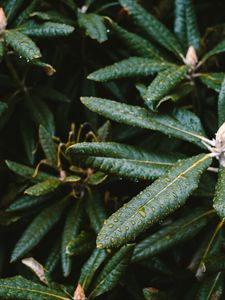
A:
[20,56]
[108,30]
[28,60]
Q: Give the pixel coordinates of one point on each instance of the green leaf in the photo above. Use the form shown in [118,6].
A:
[90,267]
[26,171]
[29,140]
[53,257]
[123,160]
[180,21]
[112,271]
[47,29]
[20,288]
[158,200]
[48,146]
[3,108]
[26,202]
[171,235]
[22,44]
[152,26]
[211,288]
[11,8]
[96,211]
[52,15]
[71,229]
[93,25]
[49,70]
[51,94]
[219,200]
[163,84]
[41,113]
[2,50]
[193,34]
[44,187]
[221,104]
[136,43]
[38,228]
[131,67]
[212,80]
[219,48]
[181,124]
[26,13]
[83,243]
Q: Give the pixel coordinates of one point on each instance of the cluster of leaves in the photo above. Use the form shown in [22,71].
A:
[130,203]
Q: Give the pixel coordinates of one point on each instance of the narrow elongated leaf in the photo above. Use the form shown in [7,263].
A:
[44,187]
[131,67]
[219,198]
[47,29]
[219,48]
[112,271]
[71,229]
[27,172]
[38,228]
[96,211]
[221,104]
[83,243]
[26,13]
[212,80]
[11,8]
[53,257]
[181,124]
[164,83]
[180,21]
[41,113]
[51,94]
[136,43]
[22,44]
[123,160]
[211,288]
[21,288]
[152,26]
[158,200]
[193,34]
[91,266]
[48,146]
[171,235]
[93,25]
[26,202]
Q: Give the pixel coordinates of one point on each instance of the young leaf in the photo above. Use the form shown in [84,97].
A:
[158,200]
[212,80]
[44,187]
[22,44]
[49,70]
[152,26]
[171,235]
[48,146]
[47,29]
[71,229]
[38,228]
[122,159]
[27,172]
[93,25]
[90,267]
[193,34]
[131,67]
[20,288]
[112,271]
[221,104]
[164,83]
[219,48]
[136,43]
[219,201]
[181,124]
[96,211]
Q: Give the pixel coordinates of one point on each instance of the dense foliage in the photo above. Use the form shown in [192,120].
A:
[120,195]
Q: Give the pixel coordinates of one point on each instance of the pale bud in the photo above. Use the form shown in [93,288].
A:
[191,58]
[36,267]
[3,20]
